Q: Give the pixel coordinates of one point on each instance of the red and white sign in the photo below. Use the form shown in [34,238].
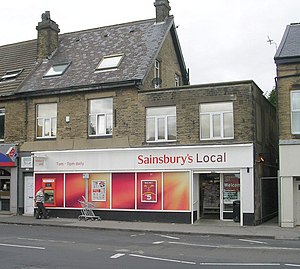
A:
[137,159]
[149,191]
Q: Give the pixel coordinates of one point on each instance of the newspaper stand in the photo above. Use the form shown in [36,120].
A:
[87,210]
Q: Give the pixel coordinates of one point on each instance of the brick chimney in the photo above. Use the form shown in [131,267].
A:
[47,40]
[162,10]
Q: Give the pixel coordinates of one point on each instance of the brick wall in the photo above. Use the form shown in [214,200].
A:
[169,66]
[130,116]
[286,82]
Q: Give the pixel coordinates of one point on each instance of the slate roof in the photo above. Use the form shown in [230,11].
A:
[289,48]
[16,56]
[139,41]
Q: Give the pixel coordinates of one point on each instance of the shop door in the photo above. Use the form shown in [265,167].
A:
[298,203]
[29,196]
[209,195]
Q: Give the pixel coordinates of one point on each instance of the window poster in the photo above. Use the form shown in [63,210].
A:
[149,191]
[231,188]
[98,190]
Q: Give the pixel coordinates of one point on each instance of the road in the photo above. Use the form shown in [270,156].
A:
[44,247]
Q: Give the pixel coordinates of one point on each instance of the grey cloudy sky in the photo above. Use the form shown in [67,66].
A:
[221,40]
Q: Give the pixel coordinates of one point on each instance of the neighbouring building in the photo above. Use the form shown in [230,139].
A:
[108,114]
[287,61]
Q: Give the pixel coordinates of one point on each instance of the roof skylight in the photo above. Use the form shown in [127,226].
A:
[57,70]
[110,62]
[11,75]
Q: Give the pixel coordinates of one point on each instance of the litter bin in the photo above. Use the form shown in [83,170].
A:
[236,210]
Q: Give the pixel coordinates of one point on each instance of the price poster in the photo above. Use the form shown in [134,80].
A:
[99,190]
[149,191]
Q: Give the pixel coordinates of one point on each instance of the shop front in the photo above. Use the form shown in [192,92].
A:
[164,184]
[8,178]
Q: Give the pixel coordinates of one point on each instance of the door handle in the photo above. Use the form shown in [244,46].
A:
[30,197]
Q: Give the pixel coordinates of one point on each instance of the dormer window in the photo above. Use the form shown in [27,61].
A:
[110,62]
[11,75]
[57,70]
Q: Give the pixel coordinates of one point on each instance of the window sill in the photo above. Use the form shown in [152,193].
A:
[45,138]
[100,136]
[216,139]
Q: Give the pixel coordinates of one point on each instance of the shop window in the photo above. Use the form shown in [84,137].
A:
[161,124]
[216,121]
[46,120]
[100,117]
[2,123]
[295,112]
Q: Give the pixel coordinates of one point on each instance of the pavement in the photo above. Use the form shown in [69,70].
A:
[268,229]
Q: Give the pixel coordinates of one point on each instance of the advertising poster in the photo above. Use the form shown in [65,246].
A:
[149,191]
[231,188]
[98,190]
[99,185]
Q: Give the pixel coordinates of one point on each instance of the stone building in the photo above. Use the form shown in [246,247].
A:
[287,61]
[108,114]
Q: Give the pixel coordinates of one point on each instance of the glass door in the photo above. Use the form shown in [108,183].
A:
[230,192]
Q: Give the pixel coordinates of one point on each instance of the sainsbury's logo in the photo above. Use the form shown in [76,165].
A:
[181,159]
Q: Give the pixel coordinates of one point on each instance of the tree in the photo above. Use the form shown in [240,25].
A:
[271,96]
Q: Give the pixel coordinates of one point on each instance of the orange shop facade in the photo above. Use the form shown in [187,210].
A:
[163,184]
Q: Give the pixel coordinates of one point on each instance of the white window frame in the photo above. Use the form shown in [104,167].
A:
[294,111]
[110,62]
[46,121]
[11,75]
[57,73]
[156,119]
[211,122]
[157,71]
[177,80]
[2,114]
[101,115]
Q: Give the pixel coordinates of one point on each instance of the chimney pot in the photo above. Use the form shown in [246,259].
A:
[162,10]
[47,40]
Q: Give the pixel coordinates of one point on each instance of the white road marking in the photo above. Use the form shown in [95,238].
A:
[168,236]
[238,264]
[252,241]
[158,242]
[116,256]
[20,246]
[292,265]
[133,235]
[234,247]
[43,240]
[122,250]
[161,259]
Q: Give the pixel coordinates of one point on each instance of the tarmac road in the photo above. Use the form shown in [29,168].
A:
[37,247]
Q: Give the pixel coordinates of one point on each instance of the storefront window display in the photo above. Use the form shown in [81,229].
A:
[154,191]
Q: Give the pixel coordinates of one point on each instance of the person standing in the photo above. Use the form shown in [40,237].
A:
[39,200]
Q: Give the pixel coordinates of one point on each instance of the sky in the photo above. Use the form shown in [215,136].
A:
[221,40]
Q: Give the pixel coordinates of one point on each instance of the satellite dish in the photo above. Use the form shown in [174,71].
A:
[156,82]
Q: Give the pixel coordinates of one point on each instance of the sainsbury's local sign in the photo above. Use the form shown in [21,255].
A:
[198,157]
